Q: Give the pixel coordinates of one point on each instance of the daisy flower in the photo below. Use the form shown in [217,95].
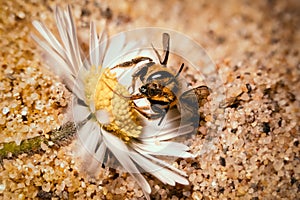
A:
[108,124]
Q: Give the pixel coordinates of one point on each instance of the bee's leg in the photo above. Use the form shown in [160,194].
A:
[140,107]
[149,116]
[166,47]
[141,73]
[180,70]
[161,112]
[133,62]
[136,96]
[174,78]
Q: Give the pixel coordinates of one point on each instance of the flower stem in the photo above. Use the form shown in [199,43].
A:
[57,138]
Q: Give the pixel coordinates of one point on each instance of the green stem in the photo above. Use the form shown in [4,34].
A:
[59,137]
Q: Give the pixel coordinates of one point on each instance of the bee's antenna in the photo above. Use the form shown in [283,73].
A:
[125,97]
[166,47]
[180,70]
[173,78]
[157,54]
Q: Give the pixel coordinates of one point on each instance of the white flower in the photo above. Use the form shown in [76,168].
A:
[108,123]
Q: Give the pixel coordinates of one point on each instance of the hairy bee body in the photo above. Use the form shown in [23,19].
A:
[162,88]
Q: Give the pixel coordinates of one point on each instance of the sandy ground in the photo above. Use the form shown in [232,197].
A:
[256,154]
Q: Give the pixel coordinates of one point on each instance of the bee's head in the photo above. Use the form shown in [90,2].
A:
[150,89]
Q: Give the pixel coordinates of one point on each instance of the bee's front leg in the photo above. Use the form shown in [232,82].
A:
[160,111]
[150,116]
[132,62]
[140,73]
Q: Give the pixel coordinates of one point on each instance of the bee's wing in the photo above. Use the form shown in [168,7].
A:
[195,95]
[190,102]
[201,92]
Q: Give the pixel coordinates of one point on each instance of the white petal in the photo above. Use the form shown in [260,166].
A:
[49,37]
[166,149]
[80,112]
[75,45]
[130,46]
[103,116]
[165,133]
[84,130]
[161,162]
[94,46]
[62,29]
[90,147]
[100,153]
[103,42]
[92,106]
[67,31]
[64,59]
[114,50]
[61,66]
[78,87]
[57,62]
[120,151]
[163,174]
[83,138]
[90,137]
[94,161]
[93,140]
[170,127]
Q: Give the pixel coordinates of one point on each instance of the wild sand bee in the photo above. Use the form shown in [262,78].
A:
[162,88]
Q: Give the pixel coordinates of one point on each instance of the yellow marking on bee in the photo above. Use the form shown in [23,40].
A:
[124,121]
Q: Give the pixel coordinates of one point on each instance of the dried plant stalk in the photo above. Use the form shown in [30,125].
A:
[57,138]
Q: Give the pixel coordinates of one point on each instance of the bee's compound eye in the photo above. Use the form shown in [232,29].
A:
[154,86]
[143,89]
[152,92]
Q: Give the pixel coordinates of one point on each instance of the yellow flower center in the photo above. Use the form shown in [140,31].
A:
[109,95]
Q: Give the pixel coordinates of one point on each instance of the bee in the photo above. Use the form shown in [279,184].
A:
[162,88]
